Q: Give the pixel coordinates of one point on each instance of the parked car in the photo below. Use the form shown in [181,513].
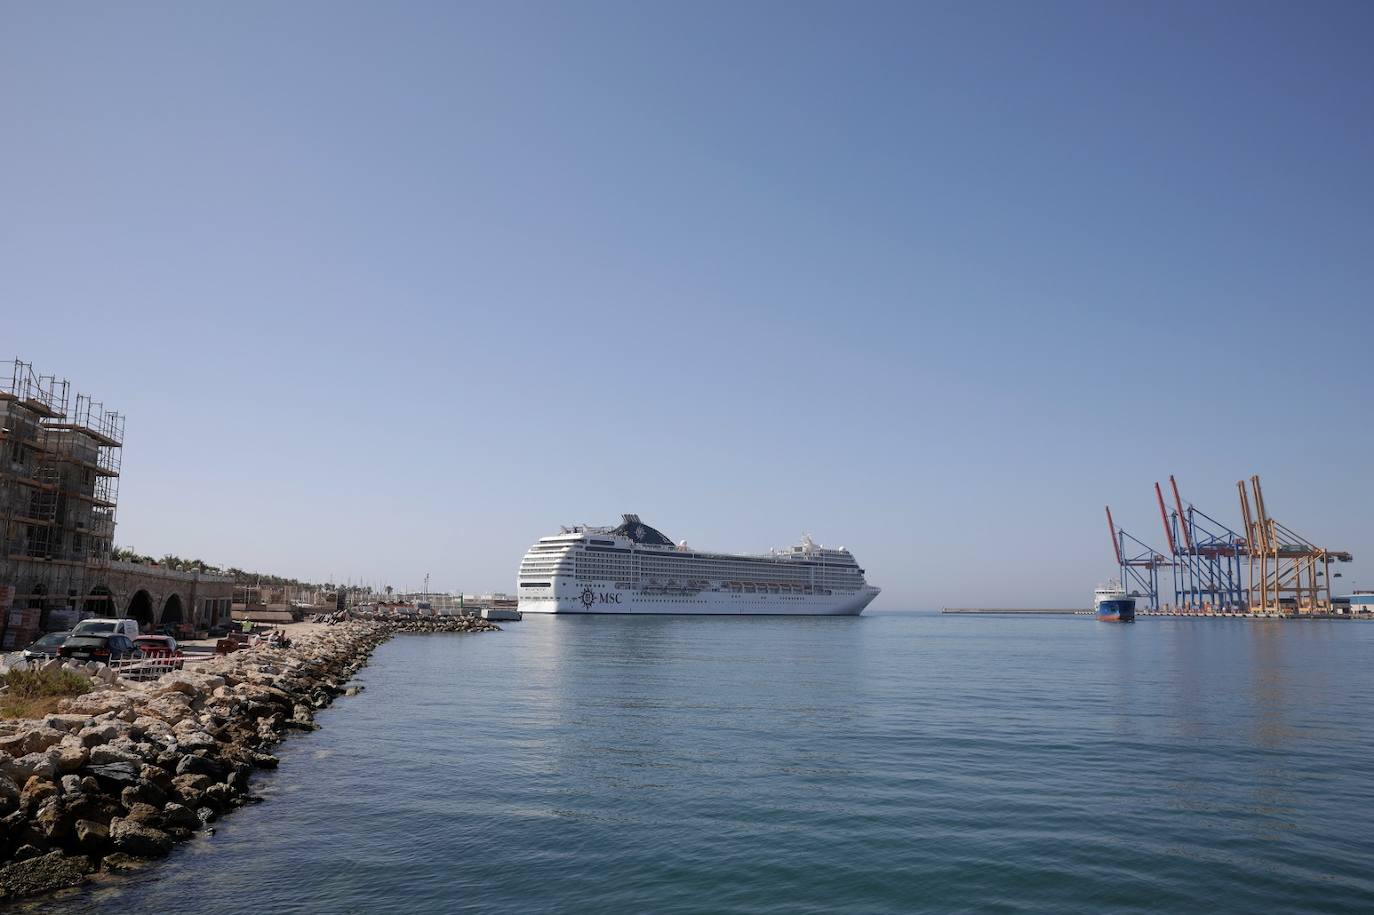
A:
[46,647]
[161,648]
[95,646]
[125,627]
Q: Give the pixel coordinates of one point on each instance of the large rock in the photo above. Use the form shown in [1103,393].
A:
[190,789]
[98,702]
[134,838]
[33,740]
[36,790]
[42,874]
[178,682]
[220,795]
[146,814]
[92,837]
[195,782]
[197,740]
[52,820]
[96,734]
[150,726]
[158,776]
[67,723]
[178,817]
[25,767]
[106,754]
[201,765]
[98,808]
[68,757]
[171,708]
[9,794]
[144,792]
[114,776]
[120,863]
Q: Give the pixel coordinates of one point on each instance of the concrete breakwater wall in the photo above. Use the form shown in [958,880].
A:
[122,773]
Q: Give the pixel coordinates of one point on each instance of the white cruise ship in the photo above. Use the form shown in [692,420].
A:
[633,568]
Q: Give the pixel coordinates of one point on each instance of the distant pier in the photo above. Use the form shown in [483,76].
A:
[1168,611]
[1027,610]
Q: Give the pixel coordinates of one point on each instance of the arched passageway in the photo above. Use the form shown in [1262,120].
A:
[141,609]
[171,611]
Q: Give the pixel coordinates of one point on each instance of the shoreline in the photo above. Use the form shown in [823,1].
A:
[117,776]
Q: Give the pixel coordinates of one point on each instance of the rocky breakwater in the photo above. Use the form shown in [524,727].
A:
[121,773]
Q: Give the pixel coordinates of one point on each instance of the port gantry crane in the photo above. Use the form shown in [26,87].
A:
[1208,572]
[1139,563]
[1288,573]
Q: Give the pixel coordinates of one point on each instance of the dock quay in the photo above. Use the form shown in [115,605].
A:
[1254,615]
[1166,612]
[1018,610]
[1258,569]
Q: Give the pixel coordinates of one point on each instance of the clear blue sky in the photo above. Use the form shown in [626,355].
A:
[395,288]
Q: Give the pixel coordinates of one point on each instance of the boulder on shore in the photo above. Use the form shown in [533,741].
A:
[42,874]
[139,839]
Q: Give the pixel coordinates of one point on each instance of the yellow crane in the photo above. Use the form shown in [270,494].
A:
[1288,573]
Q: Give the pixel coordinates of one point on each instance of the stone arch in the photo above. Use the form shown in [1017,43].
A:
[141,608]
[99,602]
[172,610]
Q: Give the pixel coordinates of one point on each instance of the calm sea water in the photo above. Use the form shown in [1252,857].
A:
[891,763]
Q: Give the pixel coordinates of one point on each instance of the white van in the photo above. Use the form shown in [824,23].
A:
[104,626]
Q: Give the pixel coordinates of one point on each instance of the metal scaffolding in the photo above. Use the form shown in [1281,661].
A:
[59,473]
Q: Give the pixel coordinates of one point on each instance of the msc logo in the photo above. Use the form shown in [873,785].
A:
[590,597]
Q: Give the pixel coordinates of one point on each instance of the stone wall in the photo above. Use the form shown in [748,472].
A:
[154,595]
[157,595]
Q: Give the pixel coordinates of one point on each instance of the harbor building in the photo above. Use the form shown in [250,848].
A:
[59,489]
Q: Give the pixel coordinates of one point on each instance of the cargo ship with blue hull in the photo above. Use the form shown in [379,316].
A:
[1113,605]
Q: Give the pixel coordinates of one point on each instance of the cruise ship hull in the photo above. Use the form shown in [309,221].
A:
[600,598]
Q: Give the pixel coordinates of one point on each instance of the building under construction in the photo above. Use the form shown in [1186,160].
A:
[1263,568]
[59,489]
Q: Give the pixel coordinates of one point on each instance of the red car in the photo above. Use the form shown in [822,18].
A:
[161,649]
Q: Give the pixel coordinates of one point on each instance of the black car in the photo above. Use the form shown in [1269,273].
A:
[47,646]
[99,647]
